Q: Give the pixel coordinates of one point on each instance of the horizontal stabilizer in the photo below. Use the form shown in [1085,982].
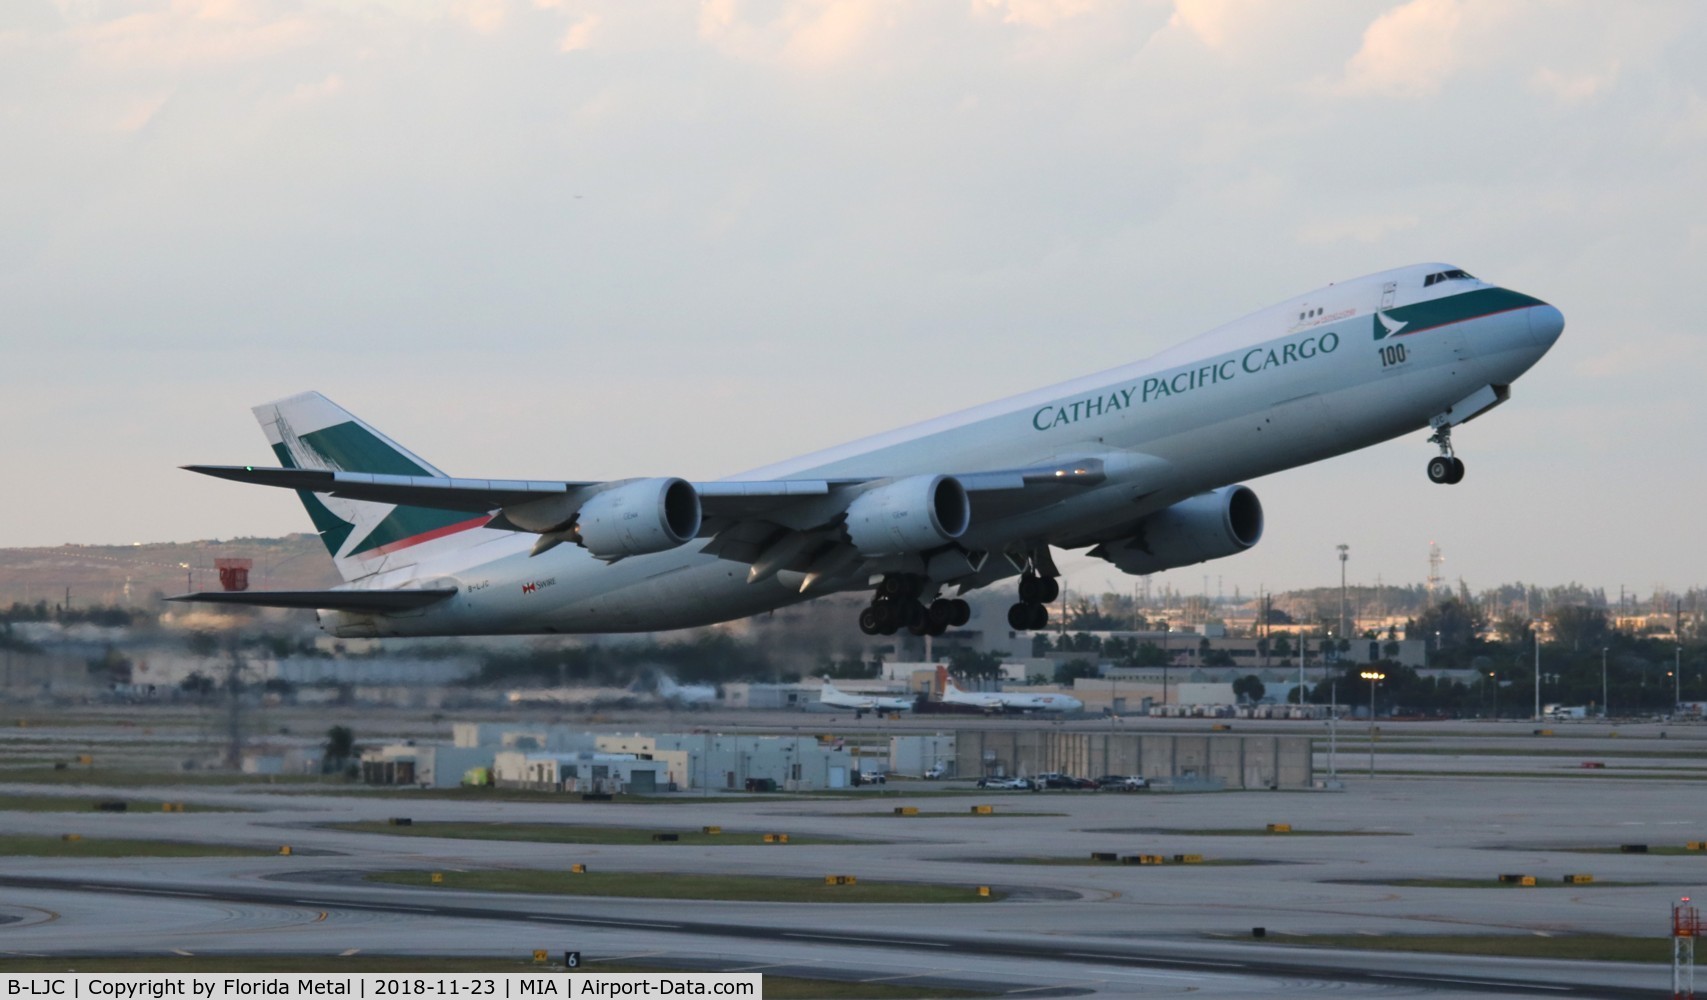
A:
[438,492]
[369,601]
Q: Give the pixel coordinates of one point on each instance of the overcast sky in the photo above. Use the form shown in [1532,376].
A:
[560,239]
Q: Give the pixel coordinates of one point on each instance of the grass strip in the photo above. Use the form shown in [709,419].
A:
[669,885]
[1246,831]
[74,803]
[776,987]
[1580,947]
[122,778]
[1660,850]
[1169,862]
[556,833]
[1483,883]
[107,847]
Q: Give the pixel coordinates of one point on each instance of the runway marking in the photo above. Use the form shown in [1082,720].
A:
[1106,957]
[864,940]
[183,952]
[347,952]
[1424,977]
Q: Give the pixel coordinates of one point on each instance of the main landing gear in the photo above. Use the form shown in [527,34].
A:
[896,606]
[1445,468]
[1034,593]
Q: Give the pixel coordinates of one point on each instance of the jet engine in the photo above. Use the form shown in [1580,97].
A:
[637,517]
[908,515]
[1211,525]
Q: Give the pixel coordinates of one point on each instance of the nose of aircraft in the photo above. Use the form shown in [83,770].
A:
[1545,324]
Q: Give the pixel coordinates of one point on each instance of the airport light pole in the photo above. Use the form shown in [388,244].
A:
[1374,677]
[1345,625]
[1604,700]
[1333,719]
[1537,625]
[1677,677]
[1165,662]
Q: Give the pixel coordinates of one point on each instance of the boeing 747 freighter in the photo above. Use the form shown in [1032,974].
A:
[1138,465]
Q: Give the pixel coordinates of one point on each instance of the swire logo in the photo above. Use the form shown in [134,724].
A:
[537,585]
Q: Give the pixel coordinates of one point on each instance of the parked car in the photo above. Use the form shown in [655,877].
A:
[937,770]
[1057,780]
[1121,783]
[1015,784]
[872,778]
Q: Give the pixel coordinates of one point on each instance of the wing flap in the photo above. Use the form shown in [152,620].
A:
[368,601]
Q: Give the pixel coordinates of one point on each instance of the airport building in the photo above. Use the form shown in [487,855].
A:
[607,773]
[1217,760]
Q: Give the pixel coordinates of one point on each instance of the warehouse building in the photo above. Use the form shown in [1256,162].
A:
[1224,759]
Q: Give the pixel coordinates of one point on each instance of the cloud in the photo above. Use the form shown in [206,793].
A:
[576,38]
[1209,20]
[1040,13]
[807,36]
[1573,88]
[484,16]
[1410,51]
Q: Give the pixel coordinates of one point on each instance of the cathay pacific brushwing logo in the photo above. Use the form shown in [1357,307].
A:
[1385,327]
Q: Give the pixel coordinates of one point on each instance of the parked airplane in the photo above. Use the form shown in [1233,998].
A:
[1005,701]
[835,697]
[686,695]
[1137,465]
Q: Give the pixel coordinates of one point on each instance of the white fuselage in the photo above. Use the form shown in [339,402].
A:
[1016,701]
[1295,383]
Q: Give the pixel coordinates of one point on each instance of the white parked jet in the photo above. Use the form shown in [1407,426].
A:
[1137,465]
[1005,701]
[835,697]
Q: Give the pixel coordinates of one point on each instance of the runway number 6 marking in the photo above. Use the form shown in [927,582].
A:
[571,960]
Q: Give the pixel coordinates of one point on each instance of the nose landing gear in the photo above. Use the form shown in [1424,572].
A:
[1445,468]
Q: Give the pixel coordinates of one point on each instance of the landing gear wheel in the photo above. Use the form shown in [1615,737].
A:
[1038,589]
[1441,468]
[1028,617]
[939,616]
[1457,471]
[884,617]
[868,621]
[960,614]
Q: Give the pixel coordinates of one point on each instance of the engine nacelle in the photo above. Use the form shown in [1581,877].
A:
[645,515]
[1212,525]
[909,515]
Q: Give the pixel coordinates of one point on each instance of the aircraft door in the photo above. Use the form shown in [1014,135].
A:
[1388,291]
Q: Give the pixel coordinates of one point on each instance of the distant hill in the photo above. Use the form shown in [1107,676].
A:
[135,575]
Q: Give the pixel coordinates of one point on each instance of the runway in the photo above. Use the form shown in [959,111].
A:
[1108,930]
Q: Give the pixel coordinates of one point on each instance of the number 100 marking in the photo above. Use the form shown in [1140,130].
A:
[1392,354]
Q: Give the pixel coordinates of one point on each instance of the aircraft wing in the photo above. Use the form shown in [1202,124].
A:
[373,601]
[770,525]
[723,501]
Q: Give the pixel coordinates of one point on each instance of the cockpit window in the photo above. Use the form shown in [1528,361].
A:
[1453,275]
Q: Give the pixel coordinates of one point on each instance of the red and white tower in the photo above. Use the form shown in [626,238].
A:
[1685,928]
